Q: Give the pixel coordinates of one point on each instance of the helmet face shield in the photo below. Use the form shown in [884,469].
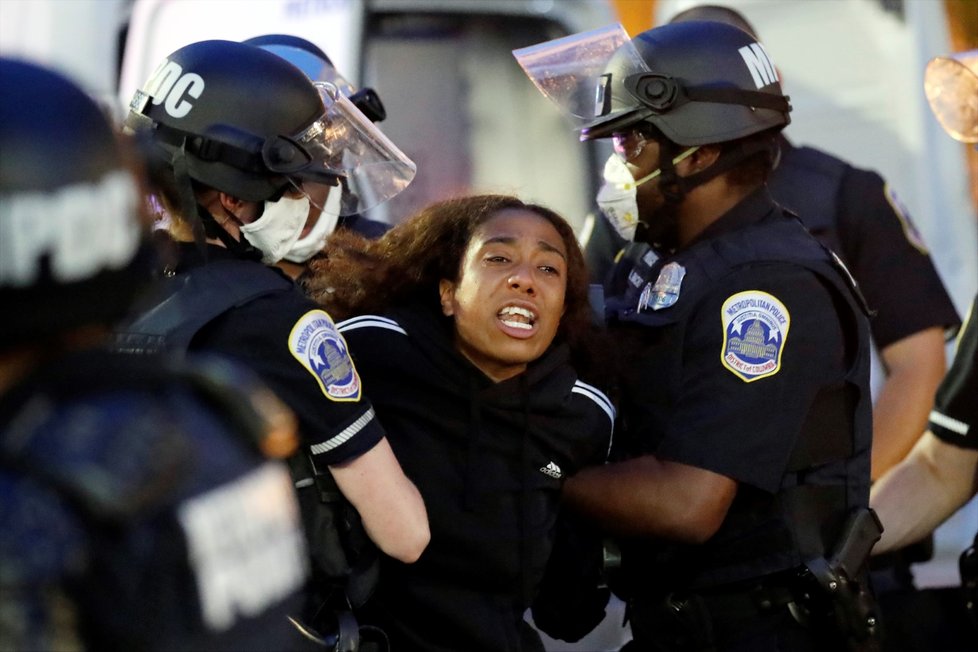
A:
[344,144]
[951,87]
[572,71]
[696,82]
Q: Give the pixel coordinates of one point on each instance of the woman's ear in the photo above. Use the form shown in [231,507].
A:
[446,290]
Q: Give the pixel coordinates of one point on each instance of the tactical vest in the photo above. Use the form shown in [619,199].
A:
[182,408]
[342,553]
[189,301]
[828,471]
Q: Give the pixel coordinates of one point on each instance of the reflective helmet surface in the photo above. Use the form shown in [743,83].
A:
[304,55]
[310,59]
[706,82]
[70,223]
[237,111]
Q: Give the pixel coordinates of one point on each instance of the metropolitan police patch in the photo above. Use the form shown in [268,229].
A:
[755,326]
[315,342]
[909,228]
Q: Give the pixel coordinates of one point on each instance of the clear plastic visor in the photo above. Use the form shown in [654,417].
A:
[344,143]
[951,87]
[571,71]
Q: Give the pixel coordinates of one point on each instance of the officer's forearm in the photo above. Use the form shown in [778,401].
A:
[915,366]
[389,504]
[650,497]
[923,490]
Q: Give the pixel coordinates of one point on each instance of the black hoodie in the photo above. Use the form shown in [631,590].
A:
[489,459]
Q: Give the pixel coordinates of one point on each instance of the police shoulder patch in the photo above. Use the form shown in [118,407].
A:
[755,327]
[910,231]
[319,347]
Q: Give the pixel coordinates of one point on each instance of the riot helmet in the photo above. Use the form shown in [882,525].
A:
[310,59]
[72,245]
[697,82]
[706,83]
[243,121]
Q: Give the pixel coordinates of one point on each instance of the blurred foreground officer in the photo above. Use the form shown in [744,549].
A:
[941,473]
[244,144]
[745,398]
[137,511]
[310,59]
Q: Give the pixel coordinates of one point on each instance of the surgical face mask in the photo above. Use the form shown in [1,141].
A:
[617,197]
[276,231]
[313,242]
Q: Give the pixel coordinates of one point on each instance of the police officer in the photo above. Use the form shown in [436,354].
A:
[859,216]
[938,477]
[317,65]
[745,396]
[244,143]
[137,510]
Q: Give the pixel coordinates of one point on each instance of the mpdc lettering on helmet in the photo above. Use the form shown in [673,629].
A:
[759,64]
[169,86]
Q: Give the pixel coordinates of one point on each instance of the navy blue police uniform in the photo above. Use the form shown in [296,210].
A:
[750,352]
[859,216]
[489,460]
[255,315]
[137,514]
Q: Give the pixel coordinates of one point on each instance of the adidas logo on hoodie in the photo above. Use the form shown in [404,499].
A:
[552,470]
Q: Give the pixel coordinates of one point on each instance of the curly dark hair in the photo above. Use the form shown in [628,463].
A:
[354,275]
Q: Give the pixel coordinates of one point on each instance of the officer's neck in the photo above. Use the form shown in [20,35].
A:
[707,203]
[292,270]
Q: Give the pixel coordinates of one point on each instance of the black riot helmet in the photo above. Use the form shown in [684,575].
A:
[237,116]
[72,228]
[311,59]
[697,82]
[244,121]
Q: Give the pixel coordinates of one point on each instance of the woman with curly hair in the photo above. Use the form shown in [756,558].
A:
[469,320]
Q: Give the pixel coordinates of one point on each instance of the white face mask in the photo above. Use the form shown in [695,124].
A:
[280,225]
[617,195]
[312,243]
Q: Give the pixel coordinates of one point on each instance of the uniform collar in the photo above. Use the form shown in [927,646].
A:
[755,207]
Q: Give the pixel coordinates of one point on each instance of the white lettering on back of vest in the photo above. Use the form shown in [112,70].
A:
[245,544]
[759,64]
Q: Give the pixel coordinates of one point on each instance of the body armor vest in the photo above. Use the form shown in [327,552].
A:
[828,472]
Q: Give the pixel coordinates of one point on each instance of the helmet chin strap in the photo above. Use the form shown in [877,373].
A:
[202,223]
[730,157]
[674,187]
[240,248]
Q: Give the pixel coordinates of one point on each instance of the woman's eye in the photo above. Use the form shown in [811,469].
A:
[497,259]
[551,270]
